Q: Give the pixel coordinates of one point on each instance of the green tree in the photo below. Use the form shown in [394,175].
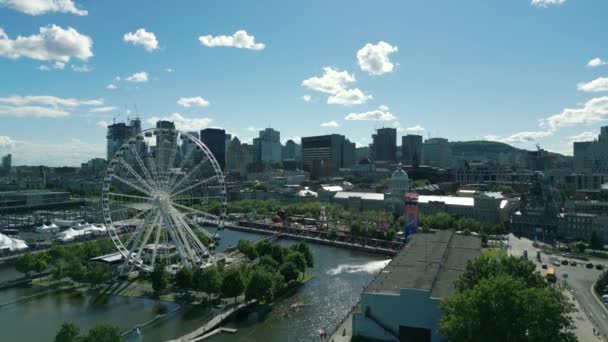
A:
[59,272]
[269,262]
[261,286]
[208,280]
[77,271]
[68,332]
[492,265]
[297,259]
[245,247]
[263,248]
[579,247]
[103,333]
[596,241]
[305,250]
[289,271]
[277,253]
[99,274]
[183,279]
[502,308]
[160,278]
[25,264]
[233,284]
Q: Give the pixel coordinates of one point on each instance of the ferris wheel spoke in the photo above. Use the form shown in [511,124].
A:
[196,211]
[141,164]
[172,187]
[181,165]
[204,181]
[173,235]
[136,236]
[149,232]
[154,169]
[142,181]
[156,241]
[183,235]
[129,183]
[130,196]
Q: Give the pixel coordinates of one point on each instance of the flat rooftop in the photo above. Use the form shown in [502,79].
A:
[448,200]
[430,262]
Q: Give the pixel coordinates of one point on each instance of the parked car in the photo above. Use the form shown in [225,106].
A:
[555,263]
[564,262]
[544,266]
[599,266]
[572,263]
[589,265]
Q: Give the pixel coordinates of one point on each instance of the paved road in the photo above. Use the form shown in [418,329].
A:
[579,279]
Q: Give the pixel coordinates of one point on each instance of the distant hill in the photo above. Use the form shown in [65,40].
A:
[478,148]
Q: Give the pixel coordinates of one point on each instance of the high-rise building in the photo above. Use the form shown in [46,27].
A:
[592,155]
[7,161]
[238,157]
[188,152]
[118,134]
[411,149]
[292,150]
[166,145]
[268,146]
[215,139]
[437,152]
[323,155]
[385,144]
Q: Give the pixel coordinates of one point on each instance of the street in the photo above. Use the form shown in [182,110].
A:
[579,279]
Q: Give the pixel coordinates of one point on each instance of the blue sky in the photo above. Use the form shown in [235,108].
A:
[513,71]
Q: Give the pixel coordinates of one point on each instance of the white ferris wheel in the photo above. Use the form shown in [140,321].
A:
[162,190]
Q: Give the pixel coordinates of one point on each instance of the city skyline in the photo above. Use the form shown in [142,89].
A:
[520,72]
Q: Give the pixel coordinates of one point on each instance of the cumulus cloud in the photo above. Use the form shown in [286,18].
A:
[330,124]
[240,39]
[251,129]
[546,3]
[102,109]
[584,136]
[415,129]
[306,98]
[52,43]
[374,115]
[71,152]
[102,124]
[142,37]
[192,102]
[597,85]
[42,106]
[169,70]
[43,68]
[349,97]
[6,142]
[383,108]
[111,86]
[183,123]
[82,68]
[374,59]
[594,110]
[38,7]
[521,137]
[596,62]
[141,76]
[331,82]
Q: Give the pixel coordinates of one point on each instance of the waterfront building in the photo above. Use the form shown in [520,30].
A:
[398,186]
[215,140]
[437,152]
[384,145]
[411,149]
[359,200]
[580,226]
[324,155]
[592,155]
[403,303]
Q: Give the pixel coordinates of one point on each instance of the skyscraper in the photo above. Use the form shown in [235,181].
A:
[411,149]
[323,155]
[118,134]
[238,157]
[385,144]
[215,139]
[268,146]
[7,161]
[592,155]
[166,145]
[437,152]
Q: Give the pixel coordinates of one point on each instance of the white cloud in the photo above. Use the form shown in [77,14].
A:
[53,43]
[82,68]
[192,102]
[597,85]
[41,106]
[374,115]
[383,108]
[397,125]
[415,129]
[142,37]
[141,76]
[37,7]
[306,98]
[374,59]
[521,137]
[43,68]
[71,152]
[102,124]
[6,142]
[331,82]
[111,86]
[59,65]
[349,97]
[296,139]
[251,129]
[594,110]
[546,3]
[596,62]
[117,78]
[330,124]
[183,123]
[102,109]
[584,136]
[240,39]
[169,70]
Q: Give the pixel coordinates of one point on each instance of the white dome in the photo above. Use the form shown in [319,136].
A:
[399,174]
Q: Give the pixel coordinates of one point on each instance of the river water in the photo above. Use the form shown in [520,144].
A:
[339,277]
